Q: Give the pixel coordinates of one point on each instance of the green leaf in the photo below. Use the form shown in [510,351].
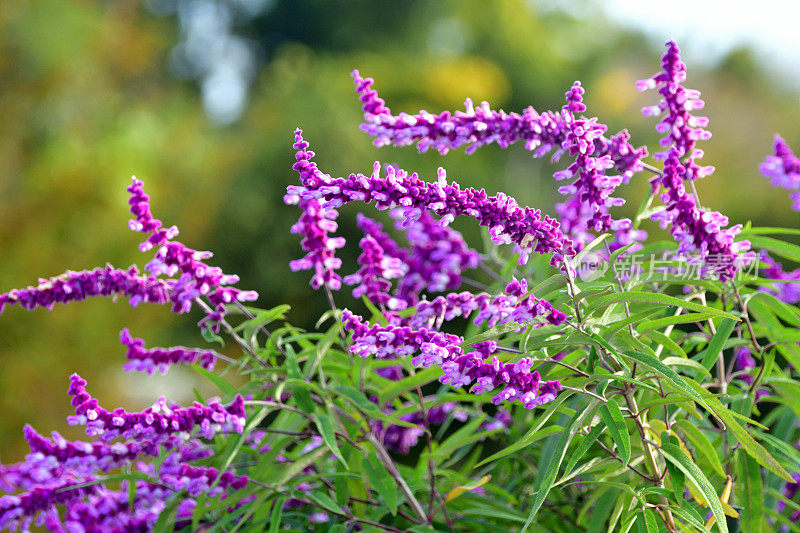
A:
[701,445]
[211,337]
[672,320]
[783,249]
[724,331]
[768,230]
[676,456]
[752,496]
[646,522]
[219,381]
[409,383]
[328,435]
[666,342]
[324,500]
[678,481]
[584,445]
[689,363]
[657,298]
[611,415]
[531,434]
[753,448]
[381,481]
[553,463]
[275,517]
[462,437]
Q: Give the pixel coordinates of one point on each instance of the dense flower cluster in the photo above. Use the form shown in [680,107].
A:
[174,258]
[437,257]
[697,230]
[160,419]
[479,126]
[460,369]
[151,360]
[783,169]
[372,279]
[77,286]
[314,225]
[682,129]
[198,480]
[508,222]
[591,186]
[789,290]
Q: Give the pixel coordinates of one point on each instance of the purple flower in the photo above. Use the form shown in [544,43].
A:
[460,369]
[77,286]
[682,129]
[786,292]
[372,279]
[437,257]
[173,258]
[38,505]
[197,480]
[160,419]
[783,169]
[152,359]
[591,186]
[479,126]
[508,223]
[88,457]
[697,230]
[314,225]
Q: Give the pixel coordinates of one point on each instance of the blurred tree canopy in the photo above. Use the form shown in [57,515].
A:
[93,92]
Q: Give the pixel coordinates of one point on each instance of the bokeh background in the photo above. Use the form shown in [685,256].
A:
[199,98]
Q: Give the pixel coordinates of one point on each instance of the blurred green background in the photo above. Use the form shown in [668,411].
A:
[199,99]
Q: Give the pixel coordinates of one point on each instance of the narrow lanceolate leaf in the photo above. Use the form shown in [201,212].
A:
[380,481]
[754,449]
[718,341]
[646,522]
[584,445]
[545,480]
[328,435]
[613,419]
[657,298]
[461,489]
[749,474]
[532,435]
[783,249]
[677,457]
[672,320]
[701,445]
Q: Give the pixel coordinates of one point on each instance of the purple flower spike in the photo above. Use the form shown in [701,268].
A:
[314,225]
[783,169]
[786,292]
[143,221]
[591,186]
[480,126]
[744,362]
[160,359]
[77,286]
[19,511]
[697,230]
[437,257]
[508,222]
[682,129]
[198,480]
[460,369]
[173,258]
[372,278]
[159,420]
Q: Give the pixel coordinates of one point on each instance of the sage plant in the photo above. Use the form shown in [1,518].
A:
[589,377]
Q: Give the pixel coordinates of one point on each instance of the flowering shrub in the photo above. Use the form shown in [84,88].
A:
[598,381]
